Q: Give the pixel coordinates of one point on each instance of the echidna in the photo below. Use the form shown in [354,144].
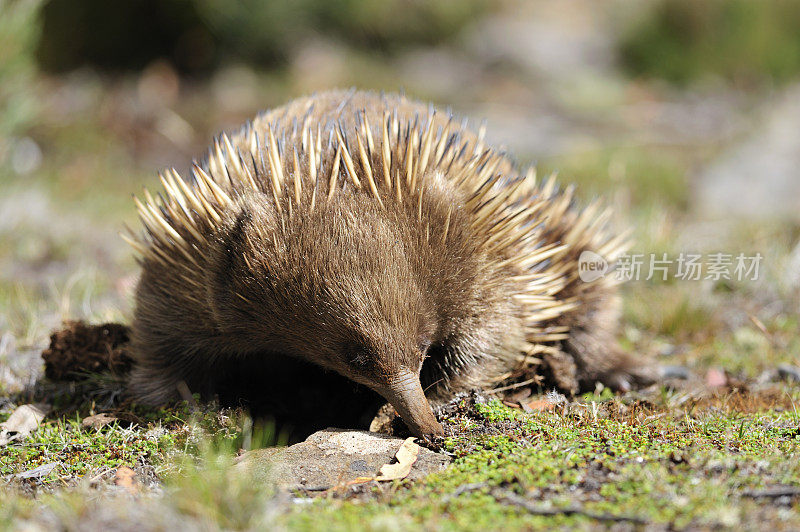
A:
[376,237]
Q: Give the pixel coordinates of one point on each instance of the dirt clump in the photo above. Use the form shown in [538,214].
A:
[79,349]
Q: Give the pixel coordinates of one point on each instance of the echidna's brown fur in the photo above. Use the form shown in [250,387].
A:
[365,234]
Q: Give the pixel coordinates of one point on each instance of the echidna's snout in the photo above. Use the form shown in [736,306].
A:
[404,392]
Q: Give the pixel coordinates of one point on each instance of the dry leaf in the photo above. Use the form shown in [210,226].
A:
[406,456]
[359,480]
[97,421]
[24,420]
[125,477]
[539,405]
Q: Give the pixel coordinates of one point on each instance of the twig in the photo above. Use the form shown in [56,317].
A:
[760,326]
[512,386]
[772,493]
[313,488]
[515,500]
[509,497]
[186,395]
[463,489]
[100,475]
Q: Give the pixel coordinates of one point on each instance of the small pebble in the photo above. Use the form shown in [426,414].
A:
[789,372]
[675,372]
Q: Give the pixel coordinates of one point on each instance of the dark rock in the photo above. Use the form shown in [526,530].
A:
[675,372]
[789,372]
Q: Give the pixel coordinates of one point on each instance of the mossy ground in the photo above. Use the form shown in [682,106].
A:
[682,456]
[661,459]
[635,463]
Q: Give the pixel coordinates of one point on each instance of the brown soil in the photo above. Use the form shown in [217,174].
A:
[80,349]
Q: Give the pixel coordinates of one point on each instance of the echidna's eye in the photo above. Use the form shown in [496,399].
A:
[356,355]
[423,347]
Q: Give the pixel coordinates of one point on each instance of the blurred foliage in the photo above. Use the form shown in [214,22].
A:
[746,42]
[123,34]
[266,30]
[19,32]
[648,176]
[196,35]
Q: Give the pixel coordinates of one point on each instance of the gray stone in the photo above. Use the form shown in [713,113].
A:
[759,177]
[553,39]
[330,458]
[675,372]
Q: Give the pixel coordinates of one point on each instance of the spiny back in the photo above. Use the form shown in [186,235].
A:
[423,170]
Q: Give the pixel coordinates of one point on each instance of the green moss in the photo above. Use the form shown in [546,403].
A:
[79,451]
[153,439]
[675,467]
[676,470]
[494,411]
[604,394]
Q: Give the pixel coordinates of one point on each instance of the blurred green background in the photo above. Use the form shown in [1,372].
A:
[682,113]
